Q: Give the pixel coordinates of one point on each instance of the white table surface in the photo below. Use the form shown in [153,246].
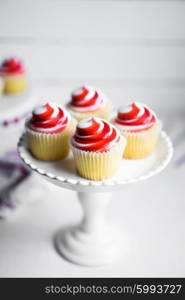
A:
[150,214]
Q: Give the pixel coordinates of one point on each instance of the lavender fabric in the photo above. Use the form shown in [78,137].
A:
[12,173]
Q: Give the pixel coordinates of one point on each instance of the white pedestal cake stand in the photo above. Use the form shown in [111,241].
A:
[94,242]
[14,108]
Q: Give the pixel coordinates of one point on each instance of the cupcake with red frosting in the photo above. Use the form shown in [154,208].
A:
[97,148]
[86,102]
[1,86]
[140,126]
[48,132]
[14,75]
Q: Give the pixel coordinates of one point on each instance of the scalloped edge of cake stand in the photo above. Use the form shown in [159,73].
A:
[82,184]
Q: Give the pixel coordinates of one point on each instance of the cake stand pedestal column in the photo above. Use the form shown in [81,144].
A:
[94,241]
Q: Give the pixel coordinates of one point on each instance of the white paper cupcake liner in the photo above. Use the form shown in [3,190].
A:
[50,146]
[140,144]
[98,165]
[103,113]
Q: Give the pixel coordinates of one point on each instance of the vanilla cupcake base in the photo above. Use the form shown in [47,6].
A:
[140,144]
[49,146]
[103,113]
[98,165]
[15,84]
[1,86]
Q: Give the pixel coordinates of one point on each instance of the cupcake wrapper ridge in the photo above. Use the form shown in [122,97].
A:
[103,113]
[49,146]
[141,144]
[98,166]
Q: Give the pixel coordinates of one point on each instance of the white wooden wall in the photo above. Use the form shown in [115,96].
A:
[131,49]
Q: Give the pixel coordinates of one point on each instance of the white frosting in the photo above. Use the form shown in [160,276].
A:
[81,145]
[124,109]
[39,110]
[42,109]
[77,92]
[142,111]
[85,123]
[141,108]
[101,101]
[90,95]
[88,123]
[128,108]
[47,129]
[56,110]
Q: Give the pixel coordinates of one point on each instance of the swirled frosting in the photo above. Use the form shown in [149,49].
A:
[12,66]
[135,117]
[87,99]
[49,118]
[94,134]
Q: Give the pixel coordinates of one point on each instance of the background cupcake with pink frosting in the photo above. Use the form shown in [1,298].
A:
[14,74]
[97,148]
[140,126]
[48,132]
[86,102]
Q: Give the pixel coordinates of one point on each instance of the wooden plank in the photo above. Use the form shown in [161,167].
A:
[75,20]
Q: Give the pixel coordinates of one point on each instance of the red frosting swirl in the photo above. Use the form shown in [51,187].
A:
[49,118]
[12,66]
[135,117]
[94,134]
[87,99]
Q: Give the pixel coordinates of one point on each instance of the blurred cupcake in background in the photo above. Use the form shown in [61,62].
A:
[86,102]
[140,126]
[1,86]
[97,148]
[48,132]
[14,75]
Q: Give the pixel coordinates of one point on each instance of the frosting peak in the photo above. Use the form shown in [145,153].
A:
[94,134]
[49,118]
[12,66]
[135,116]
[87,99]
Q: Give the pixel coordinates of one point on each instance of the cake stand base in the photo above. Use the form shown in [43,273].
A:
[94,242]
[87,249]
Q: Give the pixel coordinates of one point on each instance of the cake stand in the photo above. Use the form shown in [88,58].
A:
[15,108]
[94,241]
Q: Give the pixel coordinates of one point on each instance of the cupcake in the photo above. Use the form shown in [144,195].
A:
[97,148]
[14,75]
[140,126]
[48,132]
[86,102]
[1,86]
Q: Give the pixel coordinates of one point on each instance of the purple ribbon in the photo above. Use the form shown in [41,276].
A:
[14,172]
